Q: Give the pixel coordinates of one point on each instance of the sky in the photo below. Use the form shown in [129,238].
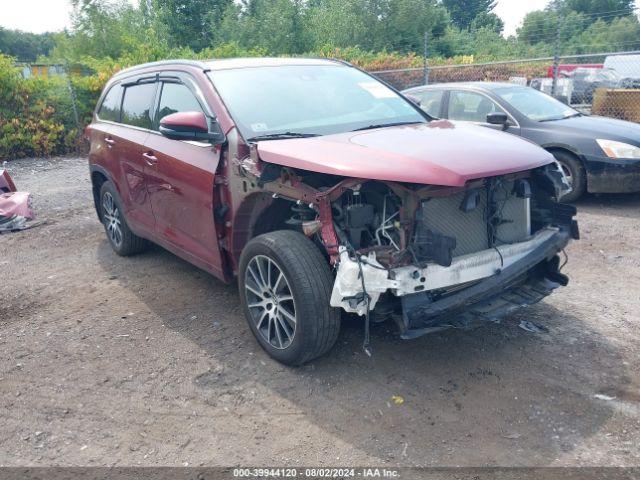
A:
[52,15]
[512,12]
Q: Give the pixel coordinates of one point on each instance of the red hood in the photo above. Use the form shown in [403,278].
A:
[437,153]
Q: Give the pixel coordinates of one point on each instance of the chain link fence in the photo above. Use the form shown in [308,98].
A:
[606,84]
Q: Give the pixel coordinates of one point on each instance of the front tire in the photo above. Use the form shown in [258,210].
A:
[123,241]
[575,173]
[285,286]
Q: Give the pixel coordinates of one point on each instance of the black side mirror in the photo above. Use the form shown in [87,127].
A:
[191,126]
[498,118]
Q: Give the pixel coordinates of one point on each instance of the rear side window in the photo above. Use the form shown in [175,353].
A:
[176,97]
[471,107]
[137,103]
[431,101]
[110,108]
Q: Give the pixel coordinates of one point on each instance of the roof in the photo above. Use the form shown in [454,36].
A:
[476,85]
[625,65]
[232,63]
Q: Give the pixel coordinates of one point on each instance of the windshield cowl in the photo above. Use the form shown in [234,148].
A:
[281,135]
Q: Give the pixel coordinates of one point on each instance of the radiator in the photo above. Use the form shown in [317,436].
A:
[444,216]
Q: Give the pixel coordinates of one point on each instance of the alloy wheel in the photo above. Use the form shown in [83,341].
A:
[111,218]
[270,301]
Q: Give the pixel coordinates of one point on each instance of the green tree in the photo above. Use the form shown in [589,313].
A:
[340,23]
[25,46]
[189,23]
[541,27]
[596,8]
[620,34]
[489,20]
[580,32]
[277,26]
[463,12]
[409,20]
[100,28]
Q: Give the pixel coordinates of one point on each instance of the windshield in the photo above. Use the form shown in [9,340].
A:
[535,105]
[312,100]
[608,74]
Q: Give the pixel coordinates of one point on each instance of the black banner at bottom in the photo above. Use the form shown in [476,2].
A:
[223,473]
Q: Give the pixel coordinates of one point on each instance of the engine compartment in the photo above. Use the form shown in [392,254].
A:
[418,225]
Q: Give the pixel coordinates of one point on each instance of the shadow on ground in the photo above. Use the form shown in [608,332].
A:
[496,395]
[617,204]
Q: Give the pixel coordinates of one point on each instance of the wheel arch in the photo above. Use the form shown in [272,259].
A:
[98,176]
[258,213]
[565,149]
[585,180]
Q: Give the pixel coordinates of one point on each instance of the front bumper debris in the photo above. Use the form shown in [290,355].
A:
[15,211]
[499,281]
[15,207]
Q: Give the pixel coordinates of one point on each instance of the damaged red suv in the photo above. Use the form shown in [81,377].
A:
[322,190]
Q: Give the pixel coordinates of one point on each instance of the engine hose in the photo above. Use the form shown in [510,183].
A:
[367,323]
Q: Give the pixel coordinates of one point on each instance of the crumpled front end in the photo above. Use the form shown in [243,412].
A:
[482,286]
[428,256]
[452,258]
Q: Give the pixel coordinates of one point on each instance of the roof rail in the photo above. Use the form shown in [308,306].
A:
[192,63]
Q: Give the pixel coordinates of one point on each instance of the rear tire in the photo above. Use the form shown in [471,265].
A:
[285,286]
[575,172]
[123,241]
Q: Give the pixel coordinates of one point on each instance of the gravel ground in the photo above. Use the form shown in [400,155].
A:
[148,361]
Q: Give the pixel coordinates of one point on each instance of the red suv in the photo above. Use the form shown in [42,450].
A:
[322,189]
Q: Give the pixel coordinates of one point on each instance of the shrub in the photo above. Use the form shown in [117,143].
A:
[32,119]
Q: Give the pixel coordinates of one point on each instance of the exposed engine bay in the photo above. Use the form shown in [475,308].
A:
[432,257]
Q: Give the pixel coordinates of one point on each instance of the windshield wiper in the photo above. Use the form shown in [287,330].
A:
[555,119]
[282,135]
[382,125]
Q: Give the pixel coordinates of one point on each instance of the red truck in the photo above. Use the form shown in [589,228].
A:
[567,68]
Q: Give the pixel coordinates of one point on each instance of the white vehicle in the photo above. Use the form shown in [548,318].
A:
[628,66]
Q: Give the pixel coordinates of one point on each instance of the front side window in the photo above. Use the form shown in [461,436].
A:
[308,99]
[430,101]
[110,108]
[176,97]
[535,105]
[471,107]
[137,103]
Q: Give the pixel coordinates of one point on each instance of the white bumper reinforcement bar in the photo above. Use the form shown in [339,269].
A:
[347,289]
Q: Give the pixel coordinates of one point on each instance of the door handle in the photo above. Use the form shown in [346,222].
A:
[150,158]
[109,141]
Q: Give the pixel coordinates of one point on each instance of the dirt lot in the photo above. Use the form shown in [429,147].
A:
[148,361]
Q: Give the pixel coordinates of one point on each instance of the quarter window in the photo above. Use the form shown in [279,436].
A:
[137,105]
[176,97]
[110,108]
[471,107]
